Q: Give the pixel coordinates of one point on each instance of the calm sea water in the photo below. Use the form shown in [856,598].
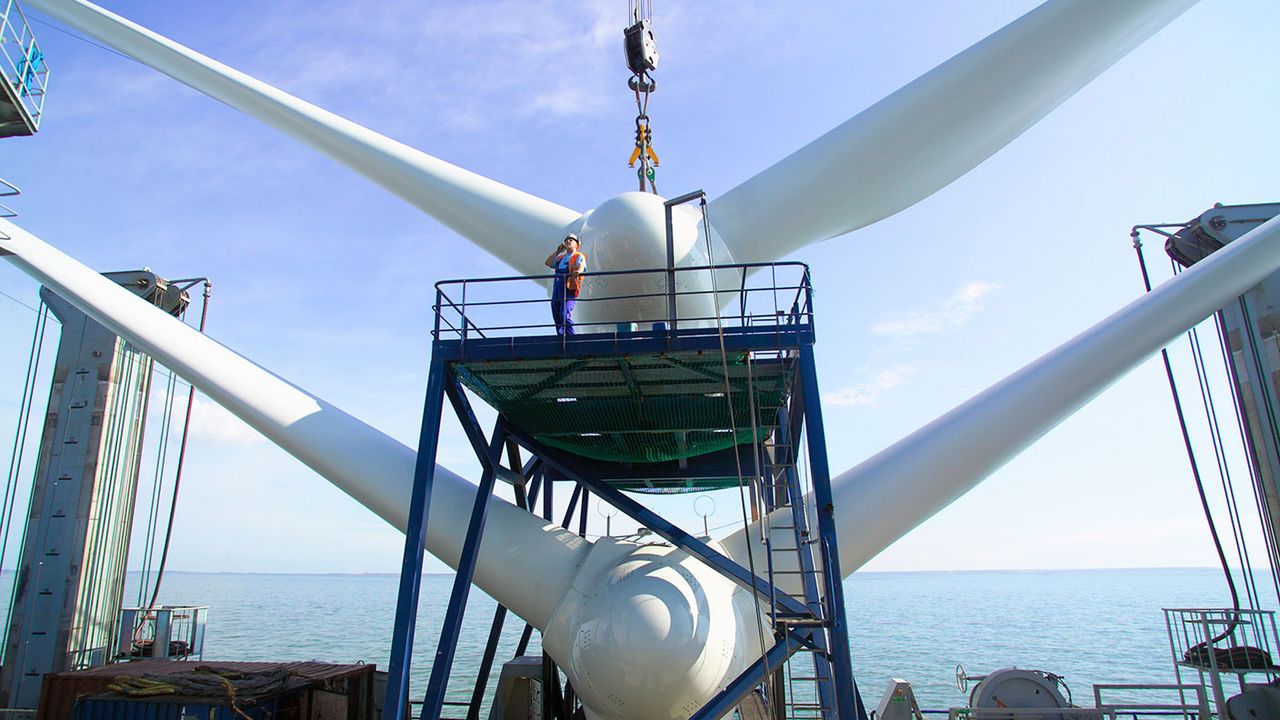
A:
[1088,625]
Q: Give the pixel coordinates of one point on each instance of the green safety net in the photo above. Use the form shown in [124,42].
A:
[641,408]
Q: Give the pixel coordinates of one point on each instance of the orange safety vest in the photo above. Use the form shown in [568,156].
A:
[572,282]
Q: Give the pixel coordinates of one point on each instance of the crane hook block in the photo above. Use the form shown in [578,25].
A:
[641,48]
[642,83]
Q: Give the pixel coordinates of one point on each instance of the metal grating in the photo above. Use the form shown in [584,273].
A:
[638,408]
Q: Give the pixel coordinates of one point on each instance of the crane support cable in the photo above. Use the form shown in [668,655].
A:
[1191,457]
[182,456]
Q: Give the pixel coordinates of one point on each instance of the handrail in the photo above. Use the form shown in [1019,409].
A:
[28,77]
[474,299]
[642,271]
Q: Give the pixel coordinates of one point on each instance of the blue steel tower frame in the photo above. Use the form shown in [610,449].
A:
[817,626]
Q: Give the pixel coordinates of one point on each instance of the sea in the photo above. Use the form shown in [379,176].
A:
[1089,626]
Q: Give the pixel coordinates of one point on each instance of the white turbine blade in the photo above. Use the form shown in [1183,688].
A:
[886,496]
[525,563]
[513,225]
[935,129]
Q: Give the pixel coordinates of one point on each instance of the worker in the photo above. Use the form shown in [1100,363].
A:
[569,264]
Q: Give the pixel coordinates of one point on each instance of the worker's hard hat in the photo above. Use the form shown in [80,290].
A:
[572,237]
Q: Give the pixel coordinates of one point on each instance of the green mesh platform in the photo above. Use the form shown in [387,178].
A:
[636,409]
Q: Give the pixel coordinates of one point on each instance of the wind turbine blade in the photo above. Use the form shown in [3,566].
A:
[935,129]
[512,225]
[525,563]
[886,496]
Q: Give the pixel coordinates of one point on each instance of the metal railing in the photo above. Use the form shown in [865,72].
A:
[1131,708]
[746,295]
[22,61]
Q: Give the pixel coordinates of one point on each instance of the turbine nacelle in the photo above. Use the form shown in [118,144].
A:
[628,232]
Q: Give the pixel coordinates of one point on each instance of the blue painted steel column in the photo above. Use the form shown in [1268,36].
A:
[415,538]
[567,465]
[848,700]
[451,628]
[728,698]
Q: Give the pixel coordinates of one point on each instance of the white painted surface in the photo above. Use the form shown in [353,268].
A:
[516,227]
[525,562]
[935,129]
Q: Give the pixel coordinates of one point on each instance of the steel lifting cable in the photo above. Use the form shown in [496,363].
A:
[737,458]
[1191,456]
[157,484]
[13,590]
[1228,485]
[1224,470]
[19,450]
[182,456]
[1260,498]
[20,433]
[1220,457]
[1268,399]
[120,444]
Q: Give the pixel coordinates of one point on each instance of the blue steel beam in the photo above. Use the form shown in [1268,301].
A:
[451,627]
[567,465]
[500,614]
[396,700]
[611,344]
[728,698]
[848,699]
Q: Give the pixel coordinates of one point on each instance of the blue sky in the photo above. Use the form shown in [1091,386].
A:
[326,279]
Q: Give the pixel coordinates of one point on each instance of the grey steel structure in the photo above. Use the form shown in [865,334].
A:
[70,581]
[1251,326]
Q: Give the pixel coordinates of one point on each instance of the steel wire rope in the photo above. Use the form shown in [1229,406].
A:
[1191,457]
[22,542]
[182,456]
[132,392]
[1224,470]
[737,458]
[118,444]
[1268,399]
[1255,356]
[118,351]
[126,494]
[157,485]
[1261,500]
[81,38]
[157,482]
[15,461]
[19,437]
[165,372]
[1220,454]
[106,438]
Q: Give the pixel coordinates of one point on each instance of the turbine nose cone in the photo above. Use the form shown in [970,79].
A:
[627,232]
[647,643]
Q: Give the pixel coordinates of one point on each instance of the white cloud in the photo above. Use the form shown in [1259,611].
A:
[955,310]
[212,421]
[868,393]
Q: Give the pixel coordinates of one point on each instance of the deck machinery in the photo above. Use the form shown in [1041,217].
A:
[672,405]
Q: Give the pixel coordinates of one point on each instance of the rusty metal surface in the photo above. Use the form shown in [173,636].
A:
[60,690]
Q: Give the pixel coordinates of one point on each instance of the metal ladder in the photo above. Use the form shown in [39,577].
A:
[806,687]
